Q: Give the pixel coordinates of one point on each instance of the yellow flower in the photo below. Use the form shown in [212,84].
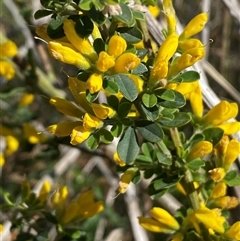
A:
[94,83]
[1,228]
[59,199]
[187,59]
[192,92]
[233,231]
[232,152]
[189,43]
[104,62]
[154,10]
[66,107]
[117,159]
[78,90]
[219,190]
[210,218]
[169,16]
[44,192]
[199,150]
[8,50]
[79,135]
[82,45]
[8,143]
[66,53]
[63,128]
[220,113]
[116,46]
[165,53]
[102,111]
[161,221]
[230,128]
[125,180]
[195,26]
[90,121]
[26,99]
[84,207]
[226,202]
[126,62]
[217,174]
[31,134]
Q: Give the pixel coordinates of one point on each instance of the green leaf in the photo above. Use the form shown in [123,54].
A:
[128,148]
[197,138]
[143,160]
[151,131]
[141,53]
[98,4]
[187,77]
[149,100]
[8,198]
[230,176]
[195,164]
[180,119]
[85,4]
[159,186]
[213,135]
[131,35]
[117,129]
[178,102]
[234,182]
[162,158]
[93,141]
[110,85]
[141,69]
[126,16]
[106,136]
[42,13]
[165,182]
[127,121]
[165,94]
[137,177]
[55,28]
[91,97]
[138,15]
[147,149]
[113,101]
[97,15]
[84,26]
[126,86]
[124,108]
[99,45]
[152,114]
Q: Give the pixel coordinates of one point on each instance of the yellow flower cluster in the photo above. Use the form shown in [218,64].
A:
[8,49]
[83,207]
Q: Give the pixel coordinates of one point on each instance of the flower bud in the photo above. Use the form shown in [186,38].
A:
[126,62]
[66,107]
[104,62]
[116,46]
[66,54]
[79,135]
[220,113]
[199,150]
[90,121]
[94,83]
[195,26]
[169,16]
[82,45]
[63,129]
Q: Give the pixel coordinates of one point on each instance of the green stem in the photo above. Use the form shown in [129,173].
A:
[190,189]
[176,139]
[164,149]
